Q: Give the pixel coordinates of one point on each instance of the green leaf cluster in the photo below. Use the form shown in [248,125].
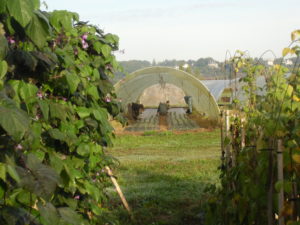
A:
[249,184]
[54,120]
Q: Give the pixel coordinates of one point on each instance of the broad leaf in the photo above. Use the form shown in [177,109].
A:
[96,74]
[295,34]
[36,4]
[285,51]
[58,111]
[25,58]
[3,46]
[106,49]
[34,138]
[13,173]
[44,106]
[56,162]
[2,191]
[21,10]
[28,92]
[83,112]
[14,121]
[62,19]
[69,216]
[3,171]
[41,179]
[57,134]
[3,6]
[83,149]
[92,91]
[112,38]
[97,47]
[100,114]
[73,81]
[3,69]
[92,190]
[13,215]
[38,30]
[296,158]
[49,214]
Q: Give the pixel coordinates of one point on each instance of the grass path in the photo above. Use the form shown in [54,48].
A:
[163,175]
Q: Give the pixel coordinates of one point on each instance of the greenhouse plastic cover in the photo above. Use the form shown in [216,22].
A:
[205,93]
[132,86]
[216,87]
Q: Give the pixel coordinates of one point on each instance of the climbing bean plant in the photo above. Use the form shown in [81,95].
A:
[249,186]
[55,101]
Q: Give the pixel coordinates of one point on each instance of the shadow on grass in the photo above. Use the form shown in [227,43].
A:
[158,199]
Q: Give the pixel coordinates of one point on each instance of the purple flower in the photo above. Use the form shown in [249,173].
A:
[19,147]
[107,99]
[77,197]
[75,51]
[88,78]
[11,40]
[85,36]
[64,99]
[85,45]
[39,95]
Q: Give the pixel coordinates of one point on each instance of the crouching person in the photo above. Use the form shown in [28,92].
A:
[137,109]
[163,109]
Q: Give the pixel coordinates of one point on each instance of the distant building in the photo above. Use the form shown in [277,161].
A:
[270,62]
[185,66]
[213,64]
[288,62]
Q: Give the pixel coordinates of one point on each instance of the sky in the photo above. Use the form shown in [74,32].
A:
[190,29]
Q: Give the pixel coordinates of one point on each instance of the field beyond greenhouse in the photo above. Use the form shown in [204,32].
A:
[164,175]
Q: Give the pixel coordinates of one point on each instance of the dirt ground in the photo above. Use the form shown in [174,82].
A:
[120,130]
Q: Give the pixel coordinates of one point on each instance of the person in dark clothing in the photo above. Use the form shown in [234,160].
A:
[162,109]
[136,110]
[188,101]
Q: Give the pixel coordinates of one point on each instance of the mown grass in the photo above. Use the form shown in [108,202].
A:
[163,175]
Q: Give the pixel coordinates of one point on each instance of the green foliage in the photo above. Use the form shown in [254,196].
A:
[250,187]
[53,116]
[21,11]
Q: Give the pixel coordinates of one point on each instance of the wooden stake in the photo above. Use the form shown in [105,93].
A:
[227,127]
[270,184]
[222,137]
[295,203]
[234,149]
[243,134]
[280,178]
[123,199]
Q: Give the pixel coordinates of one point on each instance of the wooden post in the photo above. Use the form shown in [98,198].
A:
[295,203]
[234,149]
[243,134]
[270,184]
[222,137]
[113,179]
[280,178]
[227,135]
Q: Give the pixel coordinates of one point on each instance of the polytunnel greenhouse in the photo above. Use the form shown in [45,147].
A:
[204,93]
